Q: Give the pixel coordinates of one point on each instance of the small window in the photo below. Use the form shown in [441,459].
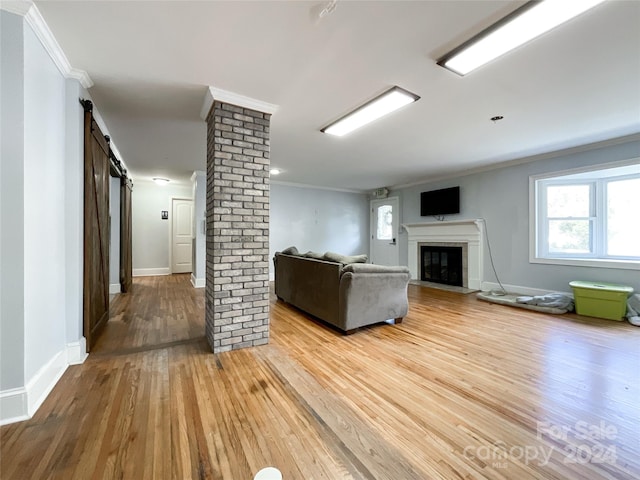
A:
[588,216]
[569,219]
[384,230]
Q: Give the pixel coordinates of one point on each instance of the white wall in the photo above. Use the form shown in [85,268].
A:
[199,194]
[41,179]
[44,203]
[150,234]
[501,196]
[318,220]
[114,250]
[74,216]
[11,203]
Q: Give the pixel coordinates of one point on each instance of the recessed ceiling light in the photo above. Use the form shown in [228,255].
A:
[389,101]
[275,171]
[161,181]
[524,24]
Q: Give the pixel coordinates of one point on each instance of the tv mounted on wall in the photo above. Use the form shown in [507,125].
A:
[440,202]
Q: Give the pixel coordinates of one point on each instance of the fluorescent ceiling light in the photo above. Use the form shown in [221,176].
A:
[275,171]
[389,101]
[161,181]
[524,24]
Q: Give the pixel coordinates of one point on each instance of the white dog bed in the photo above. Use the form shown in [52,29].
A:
[510,300]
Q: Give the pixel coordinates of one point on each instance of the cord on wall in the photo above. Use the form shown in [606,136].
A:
[503,291]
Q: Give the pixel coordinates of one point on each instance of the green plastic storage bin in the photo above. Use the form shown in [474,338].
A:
[602,300]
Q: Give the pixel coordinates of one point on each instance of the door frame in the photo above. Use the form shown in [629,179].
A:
[372,225]
[171,199]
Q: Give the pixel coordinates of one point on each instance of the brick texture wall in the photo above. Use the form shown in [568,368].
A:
[237,286]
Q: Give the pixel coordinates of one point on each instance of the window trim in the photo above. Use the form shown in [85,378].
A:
[534,234]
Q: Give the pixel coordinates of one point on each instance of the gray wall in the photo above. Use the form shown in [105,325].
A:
[150,234]
[318,220]
[11,204]
[501,197]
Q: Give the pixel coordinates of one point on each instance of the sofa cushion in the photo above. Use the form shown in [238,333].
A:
[291,251]
[373,268]
[345,259]
[315,255]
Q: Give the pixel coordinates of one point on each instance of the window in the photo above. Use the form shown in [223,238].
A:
[384,230]
[588,218]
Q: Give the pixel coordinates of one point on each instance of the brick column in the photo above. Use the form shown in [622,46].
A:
[237,286]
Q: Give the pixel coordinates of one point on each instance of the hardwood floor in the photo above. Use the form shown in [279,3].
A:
[461,389]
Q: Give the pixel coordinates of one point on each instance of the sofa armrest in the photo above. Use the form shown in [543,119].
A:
[373,268]
[368,298]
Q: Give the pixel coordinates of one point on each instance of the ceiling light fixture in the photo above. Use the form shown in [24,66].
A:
[522,25]
[383,104]
[161,181]
[275,171]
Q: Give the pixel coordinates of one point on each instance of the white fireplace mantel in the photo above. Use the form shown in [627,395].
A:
[470,232]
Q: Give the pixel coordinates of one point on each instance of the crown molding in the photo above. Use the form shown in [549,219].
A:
[633,137]
[18,7]
[198,173]
[32,15]
[220,95]
[308,186]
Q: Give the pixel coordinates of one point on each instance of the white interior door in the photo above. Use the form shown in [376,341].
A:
[181,230]
[384,231]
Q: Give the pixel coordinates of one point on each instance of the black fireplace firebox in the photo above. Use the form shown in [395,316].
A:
[441,264]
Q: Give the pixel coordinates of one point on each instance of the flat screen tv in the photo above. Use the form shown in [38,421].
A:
[440,202]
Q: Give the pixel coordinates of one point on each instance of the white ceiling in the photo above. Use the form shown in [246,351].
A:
[151,63]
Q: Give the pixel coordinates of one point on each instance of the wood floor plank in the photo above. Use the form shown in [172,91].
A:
[461,389]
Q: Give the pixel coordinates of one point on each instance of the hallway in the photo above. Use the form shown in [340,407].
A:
[161,311]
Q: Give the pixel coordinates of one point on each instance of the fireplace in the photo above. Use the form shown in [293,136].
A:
[467,234]
[441,264]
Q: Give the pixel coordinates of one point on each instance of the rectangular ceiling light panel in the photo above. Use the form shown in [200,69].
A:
[389,101]
[526,23]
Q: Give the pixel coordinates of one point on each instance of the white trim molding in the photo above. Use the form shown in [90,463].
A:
[18,7]
[198,173]
[43,382]
[13,405]
[151,272]
[459,231]
[307,186]
[220,95]
[114,288]
[34,18]
[77,352]
[198,282]
[18,404]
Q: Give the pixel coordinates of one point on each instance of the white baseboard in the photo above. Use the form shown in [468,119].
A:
[198,282]
[43,382]
[18,404]
[114,288]
[13,405]
[488,286]
[151,272]
[77,352]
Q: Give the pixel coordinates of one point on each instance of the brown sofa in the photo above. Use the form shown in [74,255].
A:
[346,296]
